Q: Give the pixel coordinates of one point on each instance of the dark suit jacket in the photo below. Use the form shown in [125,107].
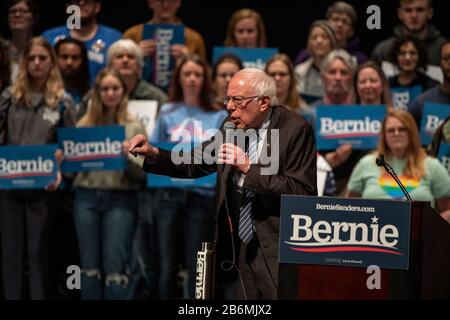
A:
[296,175]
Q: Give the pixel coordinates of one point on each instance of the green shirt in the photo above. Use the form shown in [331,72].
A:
[374,182]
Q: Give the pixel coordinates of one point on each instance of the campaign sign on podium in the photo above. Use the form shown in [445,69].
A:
[345,232]
[158,181]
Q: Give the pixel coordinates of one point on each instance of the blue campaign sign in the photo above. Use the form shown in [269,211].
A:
[251,57]
[92,149]
[158,181]
[345,232]
[158,68]
[403,96]
[432,116]
[444,155]
[27,167]
[356,125]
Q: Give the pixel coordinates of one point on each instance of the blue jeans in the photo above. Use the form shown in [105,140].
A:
[105,222]
[143,270]
[194,215]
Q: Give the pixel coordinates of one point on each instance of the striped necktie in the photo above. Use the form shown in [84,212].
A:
[245,218]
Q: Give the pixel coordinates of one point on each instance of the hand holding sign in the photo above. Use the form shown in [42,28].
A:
[53,186]
[338,157]
[148,47]
[177,50]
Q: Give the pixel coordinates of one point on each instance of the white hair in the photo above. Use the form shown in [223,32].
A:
[341,54]
[128,46]
[261,83]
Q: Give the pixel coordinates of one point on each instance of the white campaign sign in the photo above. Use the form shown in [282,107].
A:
[144,110]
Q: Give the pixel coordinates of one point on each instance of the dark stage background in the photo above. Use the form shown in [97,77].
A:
[286,21]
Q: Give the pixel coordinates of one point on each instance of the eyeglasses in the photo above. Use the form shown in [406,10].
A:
[19,11]
[279,74]
[400,130]
[238,100]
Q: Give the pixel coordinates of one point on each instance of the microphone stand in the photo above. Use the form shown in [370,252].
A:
[380,162]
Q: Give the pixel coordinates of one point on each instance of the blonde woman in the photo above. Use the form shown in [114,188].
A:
[246,30]
[105,205]
[424,177]
[32,109]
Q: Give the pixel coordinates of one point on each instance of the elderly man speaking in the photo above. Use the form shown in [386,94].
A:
[248,195]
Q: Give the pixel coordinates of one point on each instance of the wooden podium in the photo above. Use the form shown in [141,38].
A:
[428,276]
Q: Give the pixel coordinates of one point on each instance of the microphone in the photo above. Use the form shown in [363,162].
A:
[229,131]
[229,135]
[381,163]
[380,160]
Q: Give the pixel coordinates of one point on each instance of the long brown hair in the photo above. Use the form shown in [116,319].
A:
[386,95]
[230,41]
[54,87]
[415,155]
[175,89]
[95,116]
[293,100]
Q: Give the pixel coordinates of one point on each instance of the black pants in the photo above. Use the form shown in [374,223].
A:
[259,271]
[25,223]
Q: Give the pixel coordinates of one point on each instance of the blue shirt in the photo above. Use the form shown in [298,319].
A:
[97,46]
[177,122]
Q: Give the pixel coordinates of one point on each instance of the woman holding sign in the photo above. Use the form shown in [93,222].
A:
[31,110]
[105,201]
[188,117]
[425,178]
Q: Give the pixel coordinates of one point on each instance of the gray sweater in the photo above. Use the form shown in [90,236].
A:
[22,125]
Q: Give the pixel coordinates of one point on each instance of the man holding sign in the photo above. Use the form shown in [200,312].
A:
[165,13]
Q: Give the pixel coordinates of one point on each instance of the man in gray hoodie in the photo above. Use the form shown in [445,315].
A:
[415,16]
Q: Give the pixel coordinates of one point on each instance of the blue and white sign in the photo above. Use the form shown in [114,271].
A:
[432,116]
[444,155]
[158,181]
[345,232]
[251,57]
[403,96]
[159,67]
[27,167]
[356,125]
[94,148]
